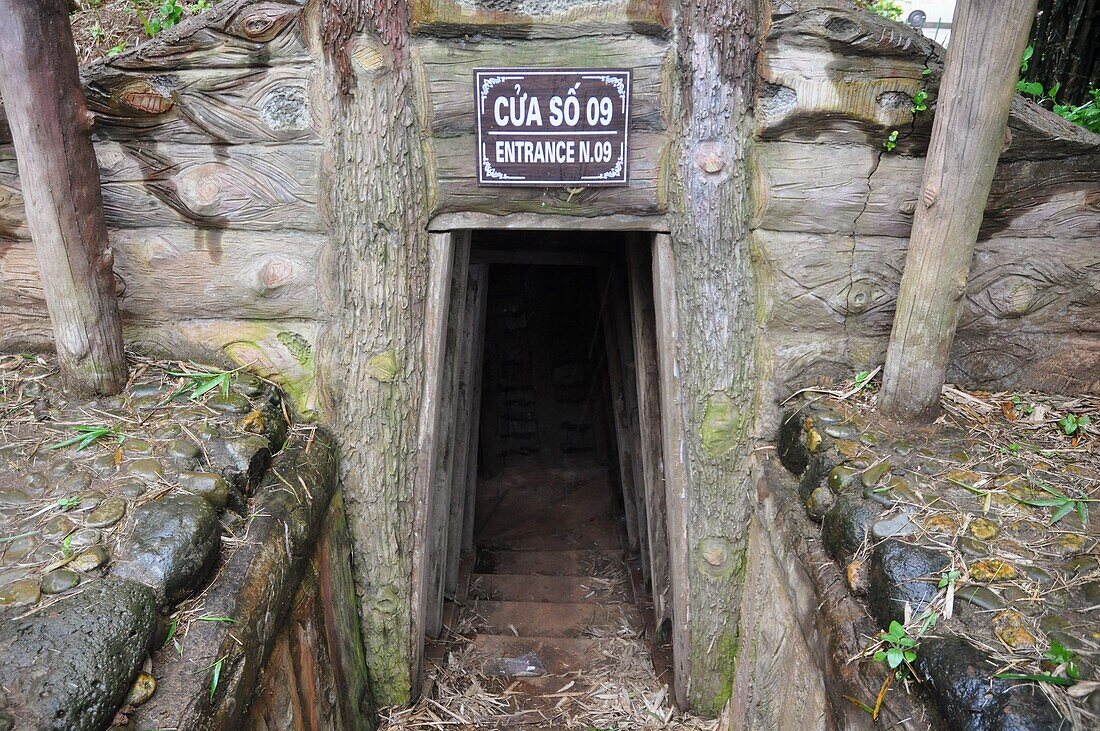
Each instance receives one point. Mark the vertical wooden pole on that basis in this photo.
(59, 176)
(619, 423)
(447, 441)
(968, 134)
(469, 394)
(673, 449)
(476, 378)
(640, 274)
(427, 523)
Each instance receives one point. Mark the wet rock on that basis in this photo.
(981, 596)
(992, 569)
(900, 573)
(142, 690)
(20, 593)
(970, 699)
(233, 403)
(61, 468)
(209, 485)
(183, 452)
(148, 390)
(104, 465)
(36, 483)
(247, 384)
(146, 468)
(57, 527)
(173, 547)
(59, 581)
(874, 474)
(90, 499)
(134, 446)
(70, 666)
(107, 514)
(971, 546)
(827, 417)
(895, 526)
(85, 537)
(20, 548)
(132, 489)
(75, 484)
(983, 529)
(1009, 628)
(1068, 544)
(819, 503)
(13, 497)
(841, 477)
(845, 527)
(91, 559)
(1038, 574)
(841, 431)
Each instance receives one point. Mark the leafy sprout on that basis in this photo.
(204, 381)
(891, 141)
(1064, 662)
(67, 503)
(899, 647)
(1072, 424)
(1063, 503)
(86, 434)
(920, 101)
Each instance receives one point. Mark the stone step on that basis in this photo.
(574, 562)
(597, 533)
(547, 619)
(527, 588)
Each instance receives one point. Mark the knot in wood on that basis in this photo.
(710, 157)
(263, 21)
(145, 97)
(928, 196)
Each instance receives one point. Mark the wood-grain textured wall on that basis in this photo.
(833, 212)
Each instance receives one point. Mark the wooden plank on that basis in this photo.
(427, 520)
(666, 310)
(458, 190)
(647, 382)
(178, 272)
(476, 374)
(544, 221)
(448, 66)
(203, 106)
(617, 411)
(447, 441)
(448, 18)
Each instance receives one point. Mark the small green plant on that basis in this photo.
(171, 637)
(1073, 424)
(97, 32)
(1062, 664)
(1019, 404)
(203, 381)
(88, 433)
(1086, 115)
(67, 546)
(1063, 504)
(217, 675)
(67, 503)
(899, 647)
(891, 141)
(920, 101)
(167, 15)
(115, 50)
(199, 6)
(888, 9)
(948, 579)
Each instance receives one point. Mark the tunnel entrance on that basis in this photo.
(556, 521)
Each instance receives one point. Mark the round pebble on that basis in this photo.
(91, 559)
(142, 690)
(983, 529)
(90, 499)
(20, 593)
(895, 526)
(107, 514)
(247, 384)
(59, 581)
(104, 465)
(234, 403)
(132, 488)
(36, 483)
(62, 467)
(20, 548)
(1009, 628)
(11, 496)
(57, 527)
(85, 537)
(841, 431)
(137, 446)
(992, 569)
(819, 502)
(146, 468)
(874, 474)
(981, 596)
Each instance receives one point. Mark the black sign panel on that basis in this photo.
(552, 127)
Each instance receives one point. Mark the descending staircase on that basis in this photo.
(549, 569)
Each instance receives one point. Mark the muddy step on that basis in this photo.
(558, 655)
(576, 562)
(546, 619)
(602, 533)
(527, 588)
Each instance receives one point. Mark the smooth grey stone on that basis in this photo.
(146, 468)
(132, 488)
(75, 483)
(20, 548)
(825, 418)
(841, 431)
(895, 526)
(173, 547)
(137, 446)
(85, 537)
(14, 497)
(981, 596)
(90, 499)
(107, 514)
(91, 559)
(209, 485)
(36, 483)
(147, 390)
(59, 581)
(70, 665)
(62, 467)
(104, 465)
(821, 499)
(57, 527)
(234, 403)
(21, 593)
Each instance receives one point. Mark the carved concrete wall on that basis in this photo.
(834, 210)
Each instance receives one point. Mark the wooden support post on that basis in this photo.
(59, 176)
(621, 425)
(429, 522)
(673, 449)
(476, 378)
(446, 441)
(640, 277)
(968, 134)
(470, 345)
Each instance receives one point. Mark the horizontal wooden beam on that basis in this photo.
(547, 222)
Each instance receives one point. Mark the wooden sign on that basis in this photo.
(552, 127)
